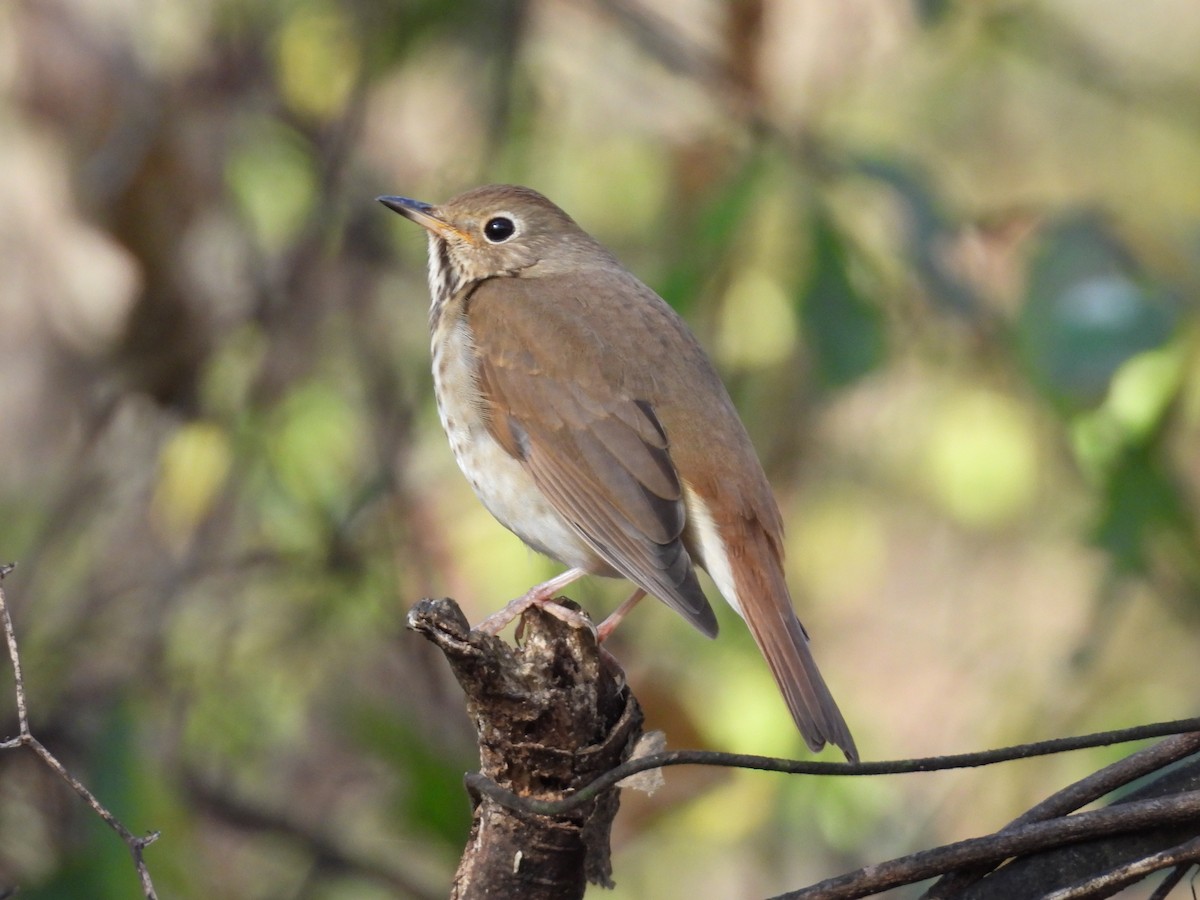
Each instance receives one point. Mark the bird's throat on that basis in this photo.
(444, 278)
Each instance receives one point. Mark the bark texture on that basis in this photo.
(552, 714)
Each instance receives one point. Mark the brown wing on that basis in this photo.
(554, 400)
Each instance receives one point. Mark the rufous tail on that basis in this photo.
(767, 608)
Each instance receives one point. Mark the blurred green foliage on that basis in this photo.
(845, 330)
(946, 255)
(1087, 312)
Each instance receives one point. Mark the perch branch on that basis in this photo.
(552, 715)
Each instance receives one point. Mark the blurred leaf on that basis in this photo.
(1087, 311)
(396, 27)
(433, 800)
(1142, 500)
(1145, 517)
(315, 446)
(931, 12)
(1143, 389)
(193, 466)
(927, 233)
(757, 327)
(844, 330)
(318, 60)
(1142, 393)
(839, 546)
(981, 457)
(273, 179)
(230, 375)
(710, 235)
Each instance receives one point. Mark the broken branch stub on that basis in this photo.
(551, 714)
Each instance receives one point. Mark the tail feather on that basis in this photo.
(766, 606)
(744, 557)
(784, 645)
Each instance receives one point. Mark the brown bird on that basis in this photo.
(592, 425)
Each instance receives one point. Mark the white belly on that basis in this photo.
(499, 480)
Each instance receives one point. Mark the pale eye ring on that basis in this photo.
(499, 229)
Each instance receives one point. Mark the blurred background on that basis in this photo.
(945, 254)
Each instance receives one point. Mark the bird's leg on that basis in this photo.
(610, 624)
(539, 595)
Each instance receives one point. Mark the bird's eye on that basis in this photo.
(499, 229)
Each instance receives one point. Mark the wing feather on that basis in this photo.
(598, 453)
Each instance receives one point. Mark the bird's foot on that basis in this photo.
(541, 595)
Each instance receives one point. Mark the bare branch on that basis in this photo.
(1122, 876)
(11, 637)
(1123, 819)
(1059, 868)
(25, 738)
(1081, 793)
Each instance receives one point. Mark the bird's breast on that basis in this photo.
(499, 480)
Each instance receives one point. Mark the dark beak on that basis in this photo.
(405, 205)
(423, 214)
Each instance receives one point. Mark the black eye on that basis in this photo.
(499, 229)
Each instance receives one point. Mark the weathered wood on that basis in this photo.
(552, 713)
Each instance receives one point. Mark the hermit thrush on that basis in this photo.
(591, 424)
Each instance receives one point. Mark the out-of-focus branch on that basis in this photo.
(331, 857)
(137, 845)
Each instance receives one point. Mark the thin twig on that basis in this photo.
(11, 637)
(25, 738)
(486, 786)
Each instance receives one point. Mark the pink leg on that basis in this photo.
(539, 595)
(609, 625)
